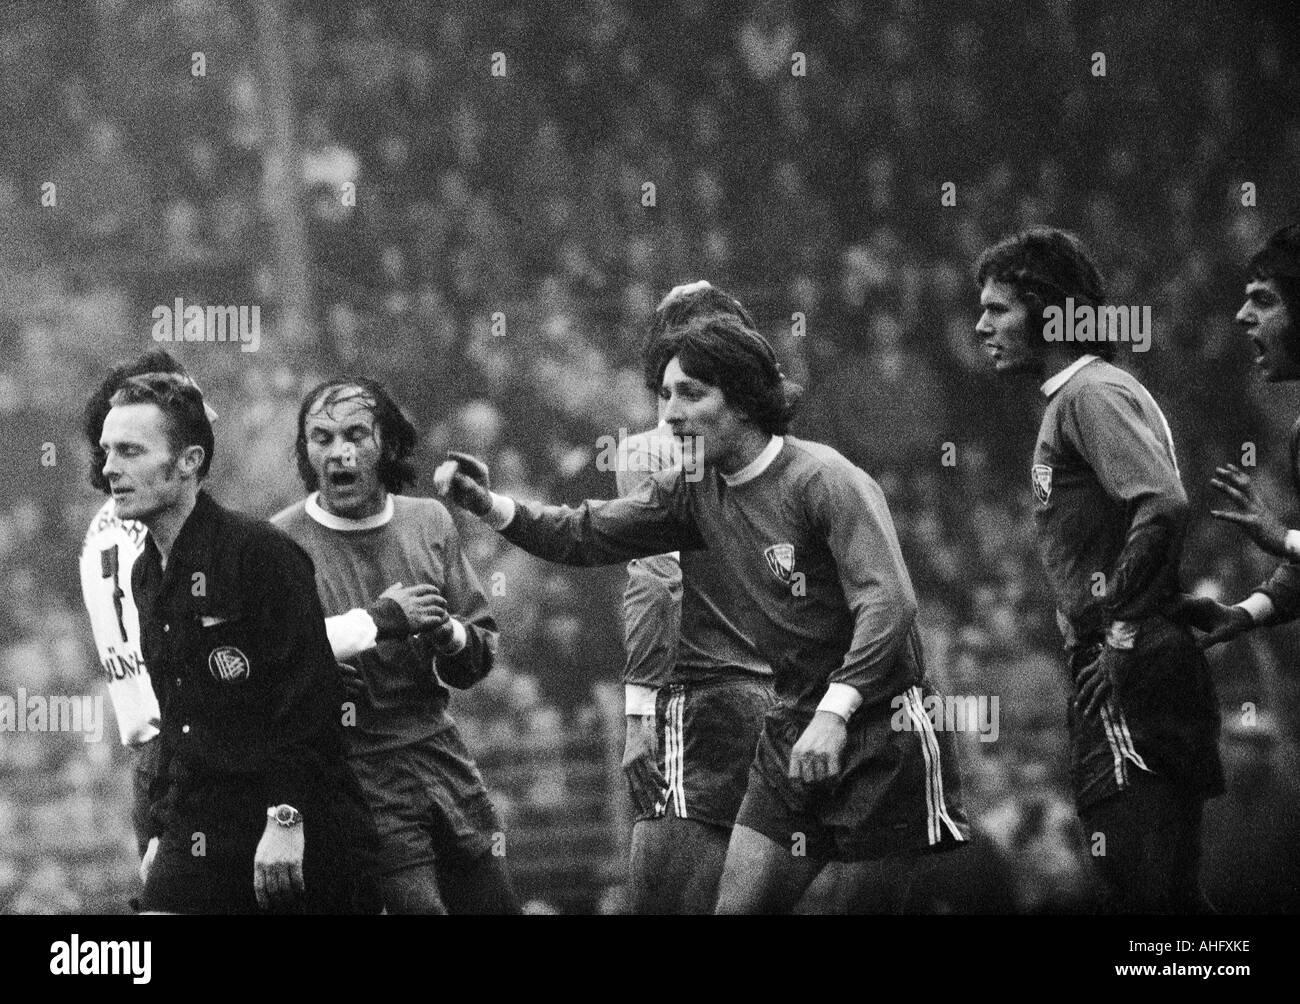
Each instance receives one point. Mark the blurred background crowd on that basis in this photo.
(487, 246)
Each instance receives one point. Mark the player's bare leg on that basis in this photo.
(676, 865)
(479, 885)
(861, 887)
(762, 876)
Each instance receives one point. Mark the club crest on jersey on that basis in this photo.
(227, 664)
(1041, 476)
(780, 558)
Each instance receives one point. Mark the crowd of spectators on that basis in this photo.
(495, 196)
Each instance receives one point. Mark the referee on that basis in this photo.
(107, 556)
(254, 807)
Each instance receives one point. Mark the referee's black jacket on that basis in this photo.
(234, 638)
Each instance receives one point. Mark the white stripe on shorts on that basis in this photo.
(936, 807)
(675, 750)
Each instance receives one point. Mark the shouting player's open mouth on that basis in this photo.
(343, 481)
(1261, 351)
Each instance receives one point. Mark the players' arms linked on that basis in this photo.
(464, 645)
(653, 521)
(398, 612)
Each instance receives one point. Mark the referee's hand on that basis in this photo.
(819, 753)
(277, 866)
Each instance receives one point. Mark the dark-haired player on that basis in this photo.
(261, 809)
(1111, 518)
(1268, 317)
(696, 690)
(107, 557)
(807, 545)
(410, 617)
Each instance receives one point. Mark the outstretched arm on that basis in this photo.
(654, 520)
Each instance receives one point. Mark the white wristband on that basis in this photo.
(841, 699)
(351, 633)
(1259, 606)
(1293, 544)
(638, 699)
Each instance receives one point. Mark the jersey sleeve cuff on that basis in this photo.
(351, 633)
(459, 638)
(638, 699)
(841, 699)
(501, 513)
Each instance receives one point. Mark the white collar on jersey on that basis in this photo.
(756, 466)
(332, 522)
(1052, 385)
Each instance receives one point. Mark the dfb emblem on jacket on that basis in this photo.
(780, 558)
(1042, 479)
(227, 664)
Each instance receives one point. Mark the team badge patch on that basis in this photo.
(1041, 476)
(228, 664)
(780, 558)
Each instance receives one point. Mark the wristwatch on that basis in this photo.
(285, 815)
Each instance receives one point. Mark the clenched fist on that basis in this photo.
(463, 480)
